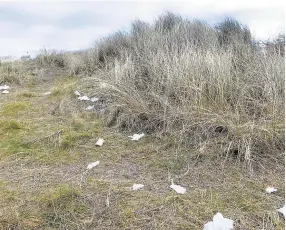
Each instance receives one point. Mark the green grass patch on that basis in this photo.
(27, 94)
(57, 92)
(14, 108)
(70, 139)
(10, 125)
(56, 156)
(31, 83)
(63, 194)
(64, 86)
(84, 122)
(62, 206)
(12, 145)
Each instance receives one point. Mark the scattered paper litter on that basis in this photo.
(92, 165)
(4, 87)
(5, 91)
(282, 210)
(84, 98)
(99, 142)
(47, 93)
(94, 99)
(137, 137)
(77, 93)
(137, 186)
(91, 107)
(179, 189)
(219, 223)
(270, 190)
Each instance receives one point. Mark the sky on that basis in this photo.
(28, 26)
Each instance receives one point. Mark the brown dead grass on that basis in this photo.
(44, 185)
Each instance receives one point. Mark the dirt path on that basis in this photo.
(46, 142)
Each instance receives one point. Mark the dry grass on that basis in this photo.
(44, 154)
(186, 80)
(18, 72)
(199, 85)
(212, 126)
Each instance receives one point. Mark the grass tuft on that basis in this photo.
(10, 125)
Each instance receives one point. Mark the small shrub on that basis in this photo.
(231, 32)
(167, 22)
(51, 58)
(277, 45)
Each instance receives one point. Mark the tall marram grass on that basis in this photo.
(208, 87)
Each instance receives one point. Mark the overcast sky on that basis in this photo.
(28, 26)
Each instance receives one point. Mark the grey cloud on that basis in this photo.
(75, 25)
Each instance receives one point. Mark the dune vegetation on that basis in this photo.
(209, 99)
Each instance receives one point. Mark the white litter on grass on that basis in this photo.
(47, 93)
(4, 87)
(137, 137)
(84, 98)
(270, 190)
(99, 142)
(219, 223)
(137, 186)
(5, 91)
(91, 107)
(92, 165)
(179, 189)
(282, 210)
(77, 93)
(94, 99)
